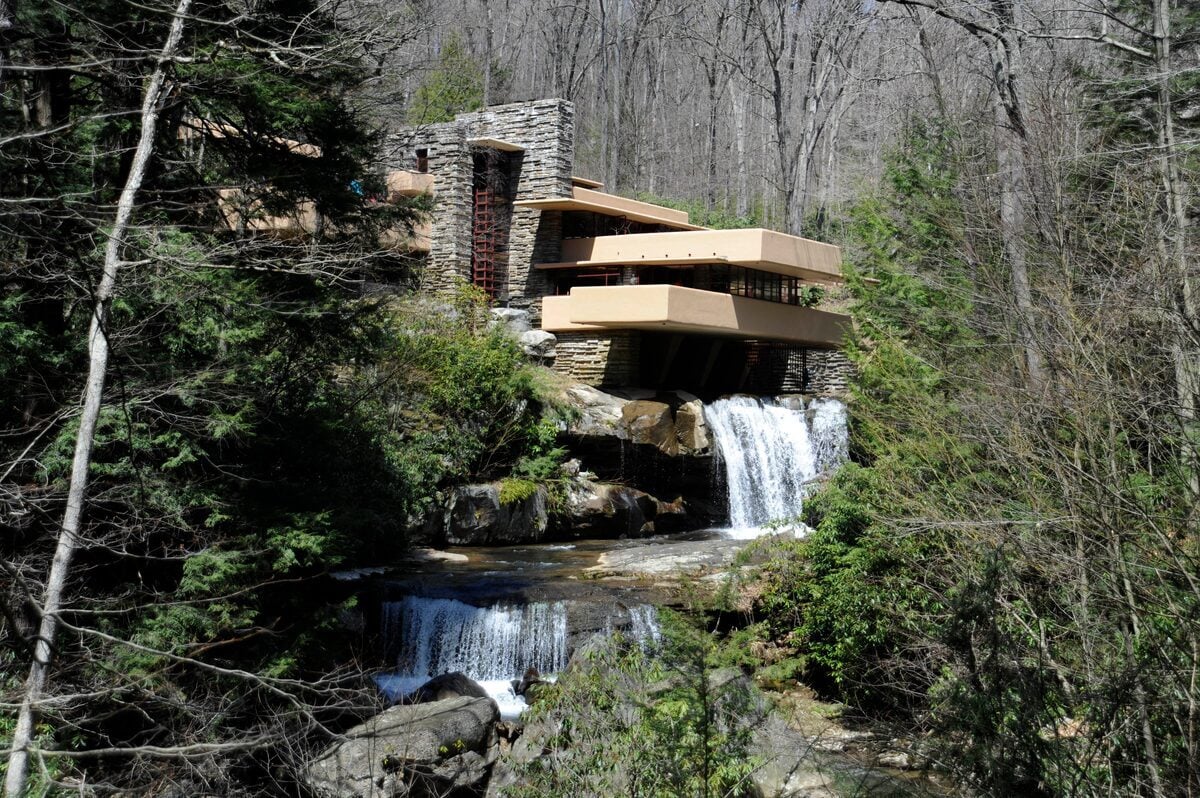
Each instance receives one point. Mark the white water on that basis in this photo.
(491, 645)
(772, 454)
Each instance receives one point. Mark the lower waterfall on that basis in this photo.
(772, 451)
(426, 637)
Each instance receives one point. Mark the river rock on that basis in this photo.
(475, 516)
(686, 558)
(651, 423)
(691, 431)
(411, 750)
(790, 765)
(447, 685)
(598, 413)
(425, 527)
(672, 422)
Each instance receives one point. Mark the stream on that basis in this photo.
(494, 612)
(506, 609)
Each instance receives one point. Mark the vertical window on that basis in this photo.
(422, 160)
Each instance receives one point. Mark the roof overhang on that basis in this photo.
(585, 199)
(585, 182)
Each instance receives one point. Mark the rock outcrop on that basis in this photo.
(672, 422)
(413, 750)
(538, 345)
(475, 516)
(515, 320)
(676, 560)
(601, 509)
(656, 442)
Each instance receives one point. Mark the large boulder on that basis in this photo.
(447, 685)
(515, 320)
(475, 516)
(691, 430)
(538, 344)
(651, 423)
(599, 508)
(672, 422)
(598, 414)
(414, 750)
(790, 764)
(424, 528)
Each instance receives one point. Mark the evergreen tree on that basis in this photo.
(242, 434)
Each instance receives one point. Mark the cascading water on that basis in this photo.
(434, 636)
(772, 453)
(493, 645)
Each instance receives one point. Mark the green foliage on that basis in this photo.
(811, 295)
(657, 725)
(983, 568)
(846, 596)
(454, 86)
(516, 490)
(478, 404)
(842, 595)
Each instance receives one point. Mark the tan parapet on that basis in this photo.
(672, 308)
(755, 248)
(403, 183)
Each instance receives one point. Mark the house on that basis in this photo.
(634, 292)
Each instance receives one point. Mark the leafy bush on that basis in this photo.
(638, 723)
(516, 490)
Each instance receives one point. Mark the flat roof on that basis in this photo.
(584, 182)
(585, 199)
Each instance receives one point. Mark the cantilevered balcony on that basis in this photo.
(763, 250)
(672, 308)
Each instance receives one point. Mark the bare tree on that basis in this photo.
(98, 349)
(805, 49)
(996, 27)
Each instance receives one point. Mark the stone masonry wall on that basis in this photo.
(546, 130)
(829, 372)
(598, 358)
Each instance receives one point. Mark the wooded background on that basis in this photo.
(196, 423)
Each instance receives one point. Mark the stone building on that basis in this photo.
(633, 292)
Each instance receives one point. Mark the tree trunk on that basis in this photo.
(487, 55)
(742, 189)
(98, 350)
(1010, 158)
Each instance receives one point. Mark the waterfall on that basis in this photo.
(435, 636)
(772, 452)
(643, 624)
(494, 645)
